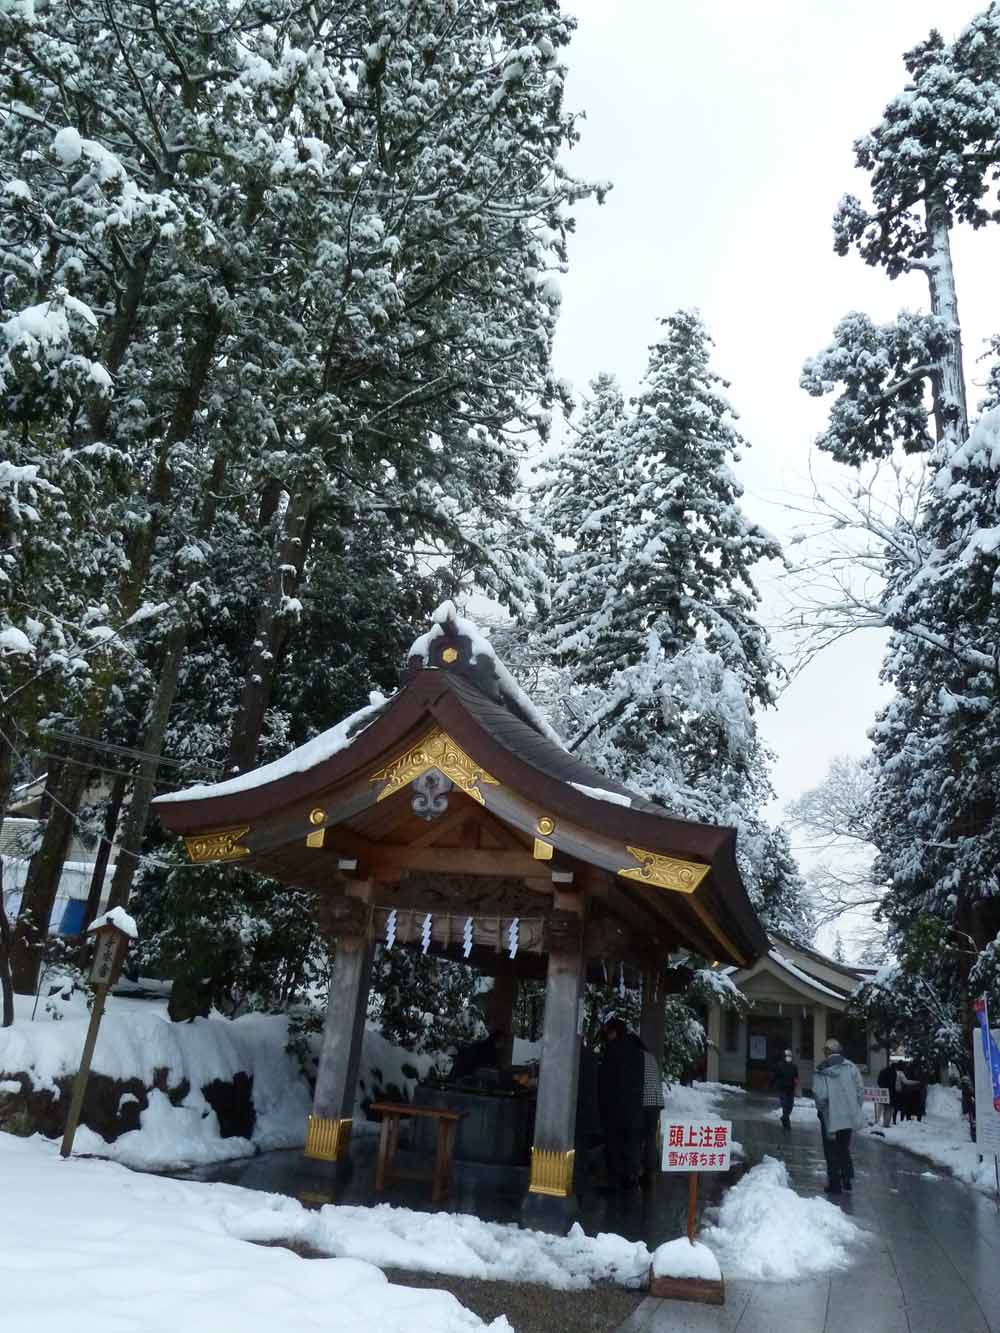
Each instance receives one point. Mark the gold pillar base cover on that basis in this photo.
(327, 1138)
(552, 1172)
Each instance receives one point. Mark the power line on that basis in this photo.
(78, 823)
(74, 739)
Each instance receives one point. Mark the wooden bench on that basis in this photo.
(392, 1113)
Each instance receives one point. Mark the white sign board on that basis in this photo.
(106, 952)
(696, 1145)
(987, 1116)
(880, 1095)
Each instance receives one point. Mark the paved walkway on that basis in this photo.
(933, 1262)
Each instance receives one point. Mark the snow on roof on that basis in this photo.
(321, 747)
(789, 966)
(116, 917)
(447, 615)
(602, 794)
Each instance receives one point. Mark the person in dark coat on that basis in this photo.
(785, 1079)
(589, 1133)
(620, 1090)
(888, 1078)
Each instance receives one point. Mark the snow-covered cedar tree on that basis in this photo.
(322, 251)
(882, 371)
(651, 638)
(936, 743)
(585, 497)
(932, 162)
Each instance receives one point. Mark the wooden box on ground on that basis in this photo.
(707, 1291)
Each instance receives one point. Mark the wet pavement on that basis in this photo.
(932, 1262)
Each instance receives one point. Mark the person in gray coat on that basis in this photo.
(839, 1095)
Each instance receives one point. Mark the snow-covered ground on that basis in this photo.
(765, 1231)
(90, 1246)
(942, 1137)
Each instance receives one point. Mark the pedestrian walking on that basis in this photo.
(785, 1079)
(620, 1089)
(839, 1095)
(652, 1105)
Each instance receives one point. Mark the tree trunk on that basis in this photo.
(271, 632)
(152, 739)
(44, 872)
(951, 412)
(145, 779)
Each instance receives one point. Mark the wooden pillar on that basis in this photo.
(550, 1204)
(713, 1043)
(340, 1054)
(652, 1020)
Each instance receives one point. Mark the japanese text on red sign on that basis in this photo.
(694, 1145)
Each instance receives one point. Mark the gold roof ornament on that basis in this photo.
(436, 750)
(666, 872)
(217, 845)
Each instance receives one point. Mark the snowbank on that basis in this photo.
(767, 1232)
(453, 1243)
(112, 1250)
(942, 1137)
(138, 1044)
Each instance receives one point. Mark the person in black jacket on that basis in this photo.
(888, 1078)
(785, 1079)
(620, 1089)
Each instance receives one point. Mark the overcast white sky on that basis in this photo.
(726, 128)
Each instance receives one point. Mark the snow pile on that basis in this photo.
(679, 1258)
(386, 1072)
(170, 1136)
(767, 1232)
(114, 1250)
(453, 1243)
(942, 1137)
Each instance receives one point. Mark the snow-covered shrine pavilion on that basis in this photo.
(451, 818)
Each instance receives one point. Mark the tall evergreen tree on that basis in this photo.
(932, 162)
(652, 621)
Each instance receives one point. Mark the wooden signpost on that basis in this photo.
(112, 934)
(694, 1146)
